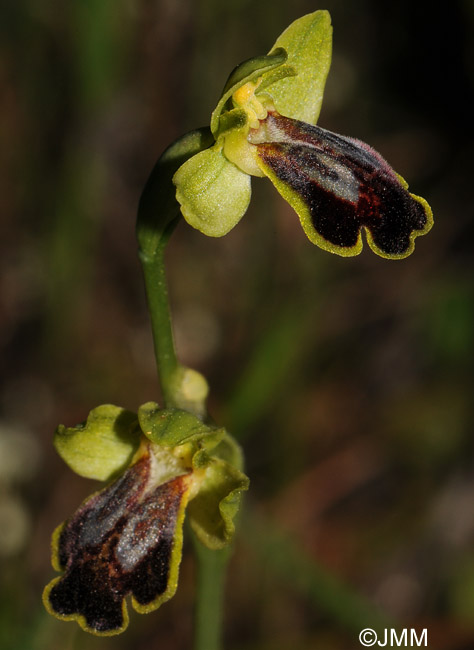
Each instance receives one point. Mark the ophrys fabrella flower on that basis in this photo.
(126, 539)
(264, 125)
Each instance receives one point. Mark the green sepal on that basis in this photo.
(157, 207)
(213, 193)
(170, 427)
(102, 446)
(213, 510)
(247, 71)
(308, 43)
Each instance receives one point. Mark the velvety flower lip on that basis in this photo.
(126, 539)
(339, 186)
(122, 541)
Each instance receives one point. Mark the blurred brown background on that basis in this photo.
(348, 381)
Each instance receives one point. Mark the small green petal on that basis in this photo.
(233, 120)
(101, 447)
(214, 194)
(247, 71)
(271, 77)
(308, 42)
(212, 512)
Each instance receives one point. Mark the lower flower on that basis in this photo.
(126, 539)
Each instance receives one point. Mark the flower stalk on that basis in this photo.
(158, 214)
(158, 305)
(210, 584)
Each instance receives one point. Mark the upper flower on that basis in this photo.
(126, 539)
(263, 125)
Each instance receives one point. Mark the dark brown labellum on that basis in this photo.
(343, 184)
(119, 542)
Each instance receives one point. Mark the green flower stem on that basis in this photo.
(158, 214)
(156, 220)
(158, 305)
(208, 615)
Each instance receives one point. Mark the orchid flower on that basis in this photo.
(264, 125)
(126, 539)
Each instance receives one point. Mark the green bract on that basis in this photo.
(158, 196)
(126, 539)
